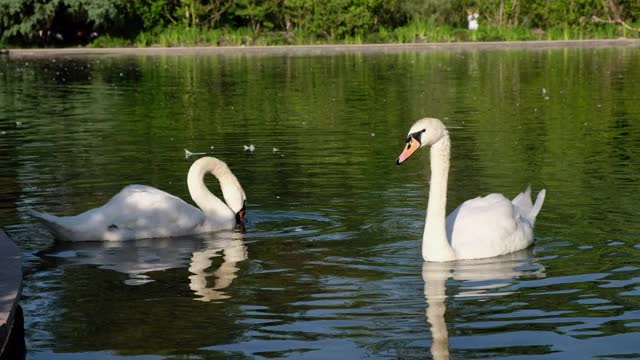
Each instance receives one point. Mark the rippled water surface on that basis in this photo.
(329, 263)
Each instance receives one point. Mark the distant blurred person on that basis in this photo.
(473, 20)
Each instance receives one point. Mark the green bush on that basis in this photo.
(107, 41)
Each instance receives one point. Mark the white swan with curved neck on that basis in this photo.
(141, 212)
(479, 228)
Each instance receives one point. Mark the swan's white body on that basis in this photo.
(479, 228)
(141, 212)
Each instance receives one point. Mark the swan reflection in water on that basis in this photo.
(490, 273)
(136, 258)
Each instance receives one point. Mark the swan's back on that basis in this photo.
(140, 212)
(136, 212)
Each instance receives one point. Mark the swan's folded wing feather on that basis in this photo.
(485, 226)
(141, 211)
(523, 200)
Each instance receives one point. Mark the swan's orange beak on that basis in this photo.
(412, 146)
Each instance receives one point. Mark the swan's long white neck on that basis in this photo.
(435, 245)
(211, 205)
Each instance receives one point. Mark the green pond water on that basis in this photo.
(329, 264)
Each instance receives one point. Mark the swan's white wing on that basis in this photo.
(136, 212)
(140, 211)
(141, 199)
(488, 226)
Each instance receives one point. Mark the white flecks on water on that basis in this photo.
(275, 150)
(249, 148)
(544, 91)
(373, 134)
(188, 154)
(18, 123)
(211, 147)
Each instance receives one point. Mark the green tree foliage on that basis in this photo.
(152, 14)
(42, 22)
(437, 11)
(258, 13)
(331, 18)
(33, 21)
(23, 19)
(543, 14)
(337, 19)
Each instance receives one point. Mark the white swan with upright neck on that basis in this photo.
(142, 212)
(479, 228)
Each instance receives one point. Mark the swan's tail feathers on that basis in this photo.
(523, 200)
(537, 206)
(42, 215)
(52, 222)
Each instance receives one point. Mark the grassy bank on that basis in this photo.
(414, 32)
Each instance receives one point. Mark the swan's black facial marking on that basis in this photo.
(416, 135)
(240, 221)
(240, 214)
(112, 227)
